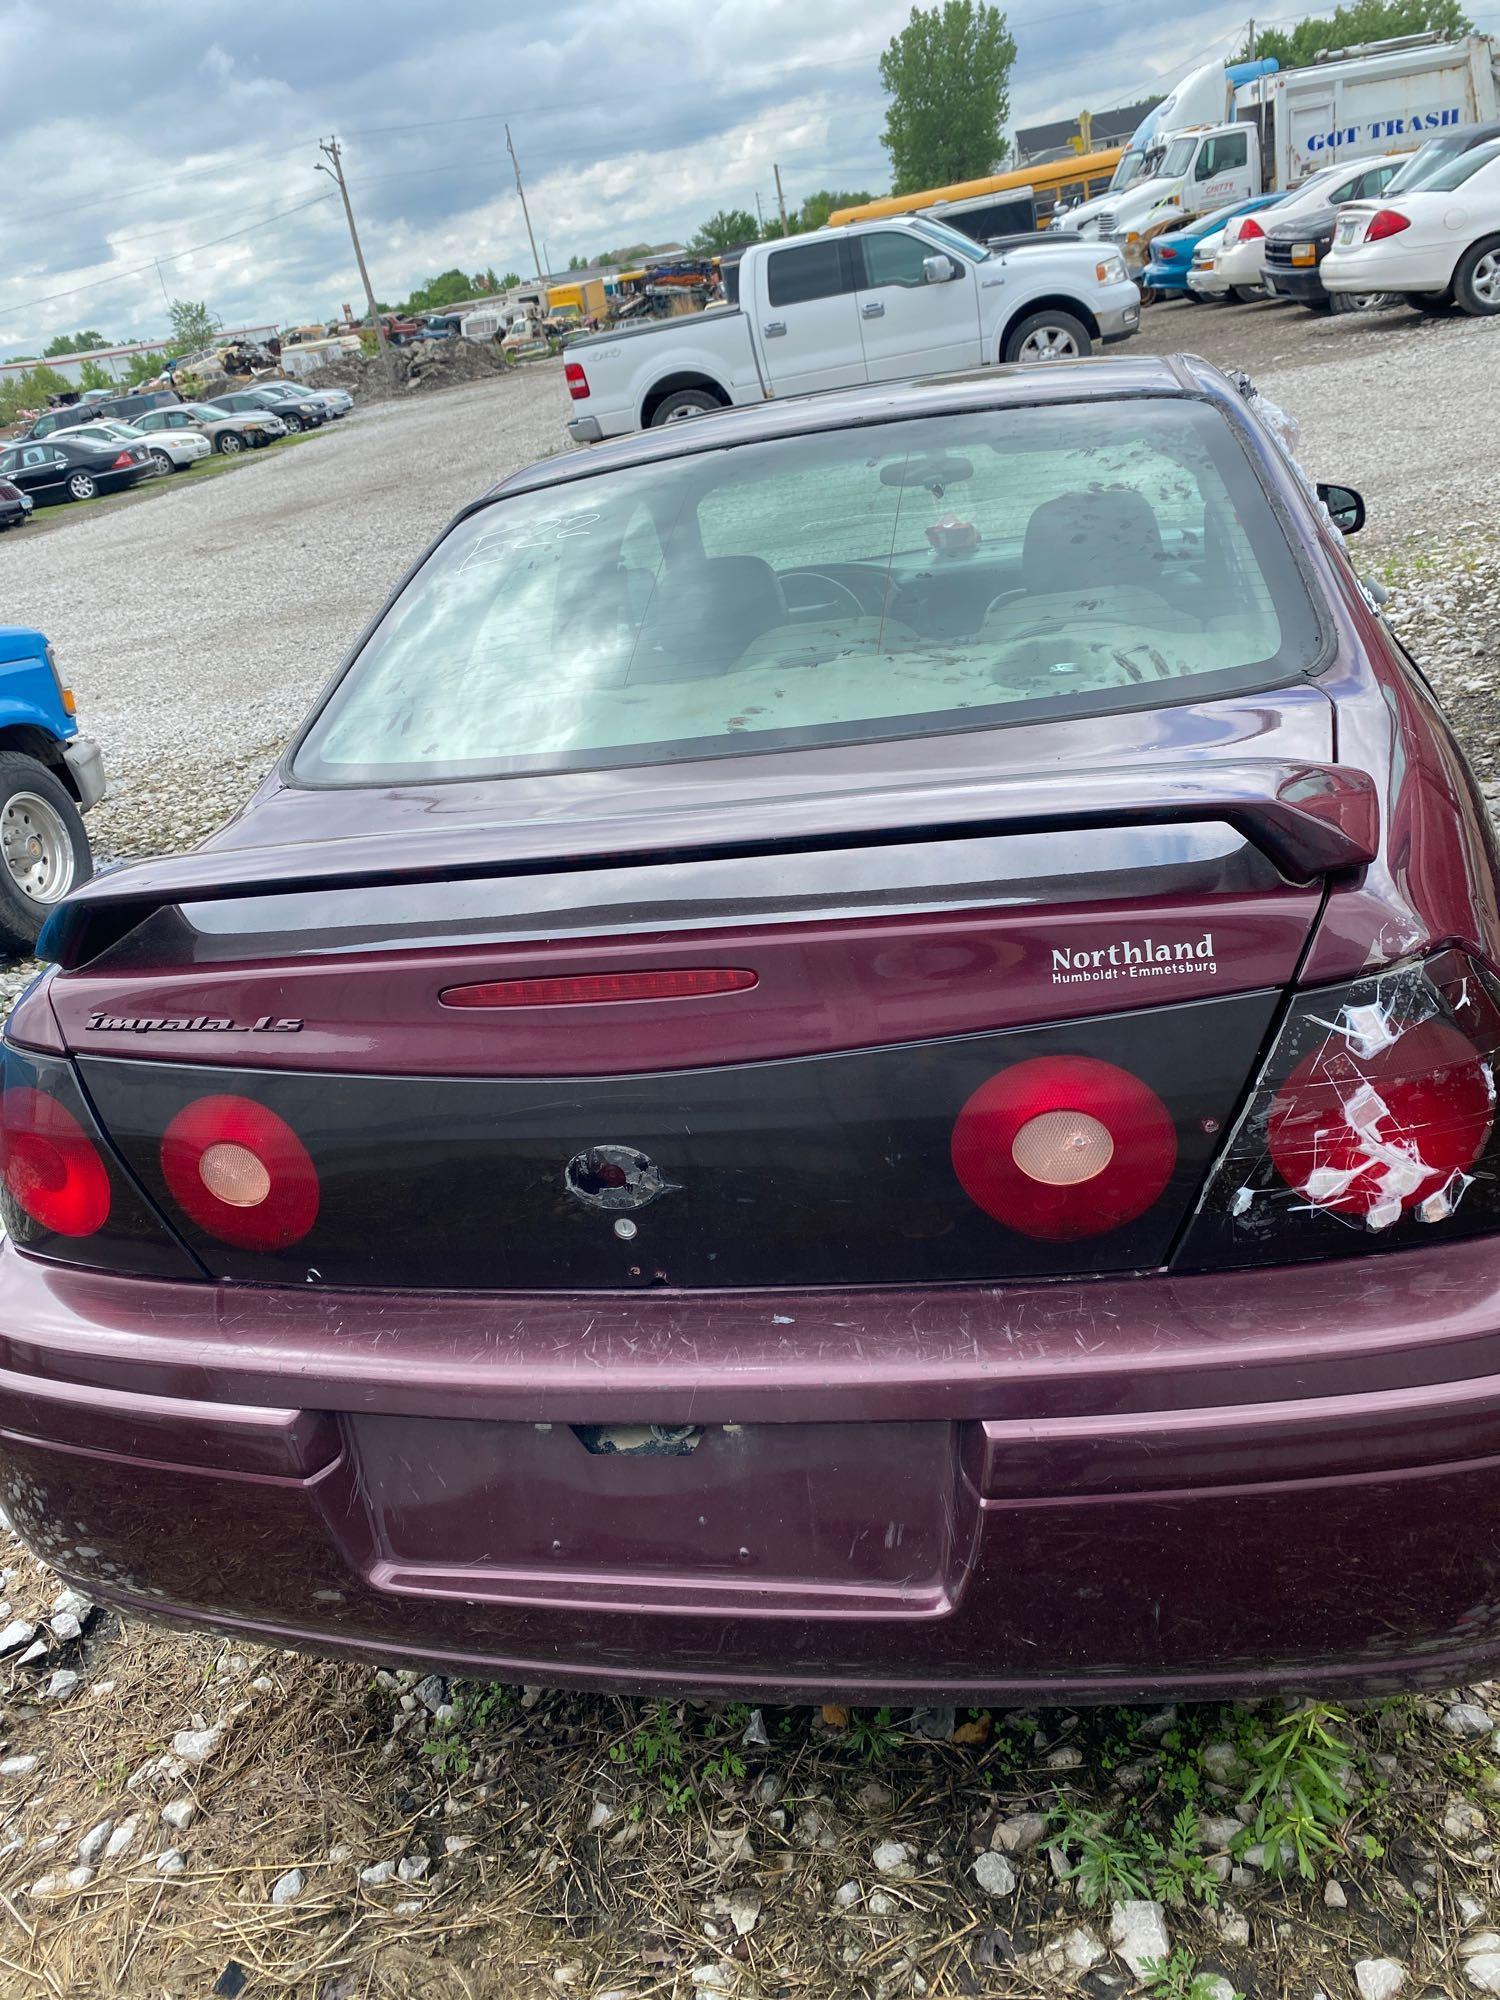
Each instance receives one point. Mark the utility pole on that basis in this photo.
(536, 262)
(760, 214)
(163, 283)
(1250, 40)
(335, 172)
(781, 201)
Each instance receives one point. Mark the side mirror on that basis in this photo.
(938, 270)
(1345, 506)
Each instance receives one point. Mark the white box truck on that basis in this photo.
(1359, 104)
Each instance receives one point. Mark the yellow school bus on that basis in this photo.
(1077, 177)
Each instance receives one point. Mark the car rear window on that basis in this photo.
(936, 574)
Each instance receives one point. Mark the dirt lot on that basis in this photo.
(180, 1816)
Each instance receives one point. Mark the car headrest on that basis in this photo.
(1108, 536)
(703, 613)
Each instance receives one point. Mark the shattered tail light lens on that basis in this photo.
(1372, 1125)
(63, 1193)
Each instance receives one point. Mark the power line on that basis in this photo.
(169, 179)
(118, 277)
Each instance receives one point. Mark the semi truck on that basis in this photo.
(1277, 127)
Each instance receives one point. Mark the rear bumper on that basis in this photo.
(1084, 1493)
(585, 430)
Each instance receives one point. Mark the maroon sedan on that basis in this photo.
(853, 1055)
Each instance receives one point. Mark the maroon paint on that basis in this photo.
(822, 986)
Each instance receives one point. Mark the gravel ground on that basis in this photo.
(178, 1816)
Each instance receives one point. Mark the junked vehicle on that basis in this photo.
(173, 451)
(293, 413)
(866, 302)
(1172, 254)
(1299, 239)
(15, 506)
(65, 467)
(50, 775)
(855, 1037)
(227, 431)
(1436, 242)
(1241, 262)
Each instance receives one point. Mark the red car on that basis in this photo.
(852, 1055)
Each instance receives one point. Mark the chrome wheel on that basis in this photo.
(36, 847)
(83, 486)
(1485, 280)
(231, 442)
(1048, 343)
(161, 461)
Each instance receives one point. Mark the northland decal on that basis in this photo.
(1134, 958)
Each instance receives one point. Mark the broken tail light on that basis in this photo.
(1372, 1124)
(63, 1193)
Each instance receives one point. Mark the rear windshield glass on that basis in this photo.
(933, 574)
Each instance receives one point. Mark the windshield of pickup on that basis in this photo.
(933, 574)
(953, 239)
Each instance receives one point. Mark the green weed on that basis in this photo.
(873, 1738)
(1177, 1978)
(1297, 1788)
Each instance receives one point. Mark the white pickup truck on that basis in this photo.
(868, 302)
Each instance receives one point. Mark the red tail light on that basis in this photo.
(1389, 222)
(1166, 256)
(577, 381)
(123, 462)
(241, 1173)
(590, 989)
(50, 1165)
(1249, 230)
(1062, 1147)
(1373, 1131)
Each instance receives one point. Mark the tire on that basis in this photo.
(681, 404)
(1476, 282)
(229, 443)
(1359, 302)
(1048, 336)
(82, 486)
(293, 424)
(1243, 295)
(1436, 305)
(163, 463)
(36, 811)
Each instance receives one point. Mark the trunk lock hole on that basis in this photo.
(614, 1177)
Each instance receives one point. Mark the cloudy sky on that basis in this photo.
(160, 130)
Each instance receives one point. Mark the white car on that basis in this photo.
(1242, 260)
(171, 451)
(1203, 276)
(1438, 245)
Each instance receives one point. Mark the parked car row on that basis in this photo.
(1421, 227)
(85, 449)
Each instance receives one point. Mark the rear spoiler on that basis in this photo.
(1309, 819)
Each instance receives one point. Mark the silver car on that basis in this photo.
(227, 431)
(337, 402)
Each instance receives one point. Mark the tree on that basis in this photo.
(726, 230)
(948, 77)
(509, 282)
(76, 343)
(142, 368)
(446, 289)
(92, 376)
(1363, 21)
(30, 391)
(816, 210)
(193, 325)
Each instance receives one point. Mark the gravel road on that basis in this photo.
(196, 625)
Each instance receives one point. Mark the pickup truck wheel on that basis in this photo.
(682, 404)
(1476, 282)
(44, 851)
(1048, 336)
